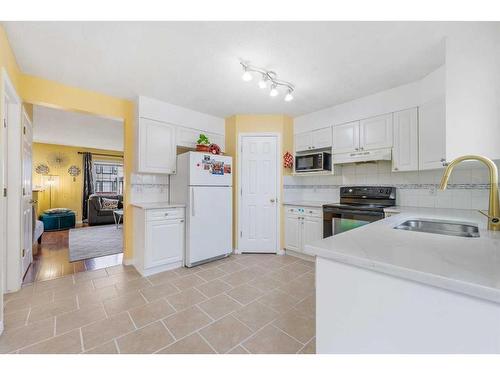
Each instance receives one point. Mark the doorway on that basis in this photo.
(258, 198)
(78, 177)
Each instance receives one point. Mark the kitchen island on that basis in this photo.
(384, 290)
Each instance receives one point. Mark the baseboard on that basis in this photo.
(296, 254)
(128, 261)
(236, 251)
(281, 252)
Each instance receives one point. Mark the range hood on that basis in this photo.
(362, 156)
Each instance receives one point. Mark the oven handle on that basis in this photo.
(367, 213)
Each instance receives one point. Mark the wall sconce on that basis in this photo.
(74, 171)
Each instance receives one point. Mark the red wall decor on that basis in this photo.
(287, 160)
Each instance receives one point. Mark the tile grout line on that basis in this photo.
(81, 339)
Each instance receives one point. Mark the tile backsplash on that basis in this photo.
(468, 186)
(148, 188)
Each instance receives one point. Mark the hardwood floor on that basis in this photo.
(52, 261)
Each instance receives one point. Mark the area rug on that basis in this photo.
(93, 242)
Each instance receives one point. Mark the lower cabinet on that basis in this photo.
(159, 239)
(303, 225)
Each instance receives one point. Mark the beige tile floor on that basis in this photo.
(242, 304)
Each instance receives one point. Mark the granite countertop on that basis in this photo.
(157, 205)
(318, 204)
(465, 265)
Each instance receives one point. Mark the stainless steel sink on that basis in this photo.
(448, 228)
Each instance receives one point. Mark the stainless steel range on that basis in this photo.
(359, 205)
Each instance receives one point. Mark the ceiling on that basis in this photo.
(196, 64)
(60, 127)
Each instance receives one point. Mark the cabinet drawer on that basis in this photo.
(164, 213)
(293, 210)
(313, 212)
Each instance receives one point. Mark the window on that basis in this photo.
(108, 177)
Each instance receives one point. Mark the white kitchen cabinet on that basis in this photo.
(375, 132)
(303, 225)
(303, 141)
(312, 230)
(293, 232)
(405, 148)
(187, 137)
(316, 139)
(159, 239)
(346, 137)
(156, 147)
(164, 242)
(432, 134)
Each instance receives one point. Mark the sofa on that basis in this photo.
(98, 216)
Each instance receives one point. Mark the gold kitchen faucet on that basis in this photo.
(493, 214)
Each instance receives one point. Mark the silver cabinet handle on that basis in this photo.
(192, 202)
(166, 214)
(356, 149)
(272, 200)
(396, 169)
(182, 221)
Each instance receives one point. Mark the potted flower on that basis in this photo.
(203, 143)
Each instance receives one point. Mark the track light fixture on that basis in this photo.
(268, 76)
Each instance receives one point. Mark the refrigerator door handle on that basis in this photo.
(192, 202)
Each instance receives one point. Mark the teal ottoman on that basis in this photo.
(58, 221)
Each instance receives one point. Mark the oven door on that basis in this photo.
(336, 220)
(309, 163)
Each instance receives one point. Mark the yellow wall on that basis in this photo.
(40, 91)
(257, 124)
(35, 90)
(67, 192)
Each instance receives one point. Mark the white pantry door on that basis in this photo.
(258, 194)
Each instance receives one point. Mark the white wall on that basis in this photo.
(162, 111)
(473, 90)
(76, 129)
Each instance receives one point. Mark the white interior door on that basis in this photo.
(210, 223)
(27, 194)
(259, 194)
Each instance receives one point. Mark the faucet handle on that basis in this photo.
(493, 219)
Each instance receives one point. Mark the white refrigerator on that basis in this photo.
(204, 184)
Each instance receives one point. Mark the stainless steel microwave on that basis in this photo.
(313, 162)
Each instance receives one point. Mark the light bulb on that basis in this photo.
(247, 76)
(288, 97)
(274, 91)
(263, 82)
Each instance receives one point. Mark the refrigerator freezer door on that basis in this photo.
(210, 170)
(210, 226)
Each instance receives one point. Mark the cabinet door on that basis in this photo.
(346, 137)
(322, 138)
(293, 231)
(187, 137)
(312, 230)
(218, 139)
(156, 148)
(303, 141)
(405, 149)
(375, 132)
(164, 242)
(432, 134)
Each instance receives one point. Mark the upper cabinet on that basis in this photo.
(161, 127)
(405, 148)
(432, 134)
(316, 139)
(187, 137)
(156, 151)
(375, 132)
(346, 137)
(368, 134)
